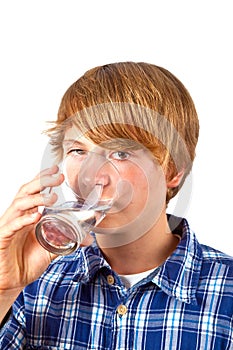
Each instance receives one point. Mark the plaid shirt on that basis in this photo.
(80, 303)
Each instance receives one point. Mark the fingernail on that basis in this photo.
(47, 195)
(33, 215)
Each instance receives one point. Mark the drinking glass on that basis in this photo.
(83, 200)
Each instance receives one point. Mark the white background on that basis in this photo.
(47, 44)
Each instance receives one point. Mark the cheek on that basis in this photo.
(139, 185)
(71, 177)
(148, 183)
(71, 169)
(143, 203)
(138, 180)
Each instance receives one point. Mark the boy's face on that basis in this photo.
(138, 184)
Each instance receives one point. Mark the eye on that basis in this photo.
(120, 155)
(78, 152)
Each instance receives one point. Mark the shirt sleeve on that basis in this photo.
(6, 319)
(13, 330)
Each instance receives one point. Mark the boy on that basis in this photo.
(146, 282)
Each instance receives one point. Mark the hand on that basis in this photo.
(22, 259)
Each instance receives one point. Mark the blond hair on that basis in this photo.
(133, 101)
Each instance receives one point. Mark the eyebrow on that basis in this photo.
(111, 144)
(69, 142)
(121, 144)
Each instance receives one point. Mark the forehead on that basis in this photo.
(73, 133)
(75, 137)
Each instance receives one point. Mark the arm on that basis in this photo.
(22, 259)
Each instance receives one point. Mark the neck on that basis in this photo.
(147, 252)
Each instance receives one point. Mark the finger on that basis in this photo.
(39, 184)
(25, 200)
(29, 203)
(48, 171)
(9, 230)
(28, 187)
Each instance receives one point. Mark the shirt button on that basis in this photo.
(122, 309)
(110, 279)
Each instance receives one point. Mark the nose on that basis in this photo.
(94, 176)
(95, 171)
(102, 179)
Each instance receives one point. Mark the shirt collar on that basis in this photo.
(178, 276)
(91, 261)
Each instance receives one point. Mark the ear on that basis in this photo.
(176, 180)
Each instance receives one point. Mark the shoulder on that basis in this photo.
(216, 273)
(211, 269)
(65, 270)
(214, 256)
(61, 271)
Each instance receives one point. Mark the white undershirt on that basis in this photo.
(130, 280)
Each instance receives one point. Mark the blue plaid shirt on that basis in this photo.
(80, 303)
